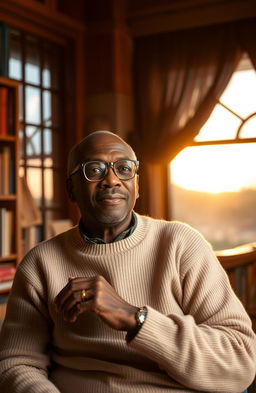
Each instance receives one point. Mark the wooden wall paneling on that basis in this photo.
(150, 17)
(36, 18)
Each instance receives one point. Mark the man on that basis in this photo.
(122, 302)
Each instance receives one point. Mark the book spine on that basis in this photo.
(7, 272)
(6, 169)
(10, 112)
(6, 285)
(1, 172)
(1, 231)
(11, 174)
(6, 232)
(3, 111)
(4, 49)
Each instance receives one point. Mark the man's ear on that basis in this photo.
(69, 188)
(137, 186)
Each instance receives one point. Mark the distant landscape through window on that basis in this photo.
(213, 183)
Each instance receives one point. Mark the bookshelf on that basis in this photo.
(9, 184)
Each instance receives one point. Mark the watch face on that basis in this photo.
(142, 317)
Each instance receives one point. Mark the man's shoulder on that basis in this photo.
(175, 230)
(53, 242)
(166, 224)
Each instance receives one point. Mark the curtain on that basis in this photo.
(247, 34)
(179, 77)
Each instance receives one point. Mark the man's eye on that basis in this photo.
(124, 169)
(94, 170)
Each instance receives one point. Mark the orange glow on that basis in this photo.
(216, 168)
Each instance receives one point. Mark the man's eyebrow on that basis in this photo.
(100, 159)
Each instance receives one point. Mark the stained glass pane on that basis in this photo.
(240, 94)
(33, 104)
(50, 67)
(52, 186)
(221, 125)
(32, 61)
(34, 162)
(249, 129)
(34, 179)
(47, 108)
(20, 102)
(15, 56)
(47, 141)
(33, 141)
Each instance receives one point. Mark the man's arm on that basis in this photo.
(24, 342)
(212, 346)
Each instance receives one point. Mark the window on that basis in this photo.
(37, 64)
(213, 182)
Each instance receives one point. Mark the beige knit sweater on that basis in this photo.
(197, 336)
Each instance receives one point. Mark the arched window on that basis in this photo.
(213, 182)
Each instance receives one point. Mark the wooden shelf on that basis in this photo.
(8, 258)
(10, 240)
(9, 197)
(7, 138)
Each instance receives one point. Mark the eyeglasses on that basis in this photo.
(97, 170)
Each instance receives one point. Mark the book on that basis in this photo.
(11, 174)
(11, 112)
(6, 232)
(6, 285)
(7, 272)
(4, 49)
(5, 170)
(3, 110)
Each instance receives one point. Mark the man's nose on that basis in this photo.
(111, 180)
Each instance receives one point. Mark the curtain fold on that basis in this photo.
(179, 77)
(247, 34)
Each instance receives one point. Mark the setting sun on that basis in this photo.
(215, 169)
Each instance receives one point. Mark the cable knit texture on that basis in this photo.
(197, 336)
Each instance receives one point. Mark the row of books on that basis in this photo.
(7, 272)
(7, 181)
(6, 232)
(6, 126)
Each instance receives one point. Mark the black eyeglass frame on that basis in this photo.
(108, 164)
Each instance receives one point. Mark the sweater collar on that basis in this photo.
(121, 236)
(75, 239)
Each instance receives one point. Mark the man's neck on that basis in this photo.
(107, 233)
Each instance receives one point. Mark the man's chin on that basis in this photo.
(111, 219)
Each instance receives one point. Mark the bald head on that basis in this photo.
(96, 142)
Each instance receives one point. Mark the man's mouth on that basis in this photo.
(111, 199)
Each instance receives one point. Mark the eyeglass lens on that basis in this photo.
(97, 170)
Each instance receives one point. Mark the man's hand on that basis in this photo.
(100, 298)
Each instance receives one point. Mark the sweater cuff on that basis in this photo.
(148, 334)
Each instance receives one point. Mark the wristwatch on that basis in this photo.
(141, 316)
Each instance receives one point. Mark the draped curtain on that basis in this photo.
(247, 34)
(179, 77)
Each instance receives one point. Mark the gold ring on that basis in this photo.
(83, 295)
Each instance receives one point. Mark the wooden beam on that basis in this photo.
(169, 16)
(41, 20)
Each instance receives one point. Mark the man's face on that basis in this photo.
(108, 202)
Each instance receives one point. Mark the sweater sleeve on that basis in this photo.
(24, 341)
(211, 347)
